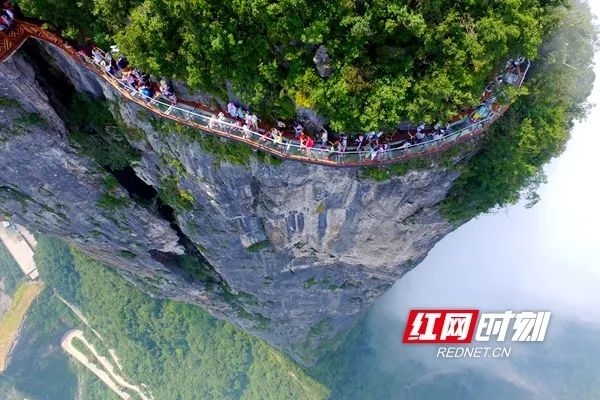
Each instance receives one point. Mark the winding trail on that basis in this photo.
(197, 115)
(107, 373)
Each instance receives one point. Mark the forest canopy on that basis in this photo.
(178, 350)
(389, 61)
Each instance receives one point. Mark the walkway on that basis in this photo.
(199, 117)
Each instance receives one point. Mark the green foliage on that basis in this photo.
(196, 268)
(92, 387)
(179, 350)
(5, 102)
(536, 127)
(382, 174)
(98, 135)
(172, 194)
(10, 273)
(110, 199)
(24, 121)
(127, 254)
(310, 282)
(258, 246)
(405, 60)
(56, 267)
(223, 150)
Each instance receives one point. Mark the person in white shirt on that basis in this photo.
(232, 110)
(247, 131)
(324, 137)
(98, 56)
(254, 121)
(343, 143)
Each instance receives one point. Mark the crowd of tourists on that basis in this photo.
(373, 145)
(117, 65)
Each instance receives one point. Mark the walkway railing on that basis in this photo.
(286, 149)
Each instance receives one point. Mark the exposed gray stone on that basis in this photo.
(323, 61)
(326, 243)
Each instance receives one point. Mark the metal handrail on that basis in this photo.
(256, 136)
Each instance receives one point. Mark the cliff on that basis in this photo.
(291, 253)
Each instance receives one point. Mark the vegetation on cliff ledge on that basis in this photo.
(386, 61)
(536, 128)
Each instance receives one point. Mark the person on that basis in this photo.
(97, 56)
(109, 69)
(84, 53)
(167, 91)
(122, 63)
(487, 92)
(138, 75)
(420, 136)
(343, 143)
(378, 137)
(232, 110)
(241, 113)
(384, 151)
(146, 91)
(369, 136)
(128, 79)
(212, 121)
(310, 143)
(374, 152)
(302, 137)
(412, 138)
(359, 142)
(247, 131)
(267, 135)
(7, 12)
(237, 125)
(221, 118)
(298, 130)
(278, 138)
(5, 24)
(254, 121)
(324, 137)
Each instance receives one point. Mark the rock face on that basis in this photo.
(299, 252)
(323, 62)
